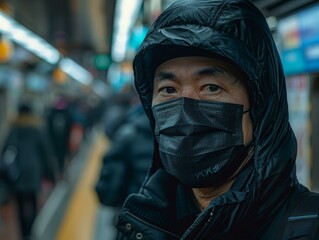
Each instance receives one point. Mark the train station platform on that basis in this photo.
(72, 210)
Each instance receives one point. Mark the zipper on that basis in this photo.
(153, 226)
(203, 229)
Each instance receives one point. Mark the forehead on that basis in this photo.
(193, 62)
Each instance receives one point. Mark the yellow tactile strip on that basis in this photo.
(79, 220)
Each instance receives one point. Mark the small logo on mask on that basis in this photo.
(207, 172)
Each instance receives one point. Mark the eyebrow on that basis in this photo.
(214, 71)
(164, 76)
(210, 71)
(206, 71)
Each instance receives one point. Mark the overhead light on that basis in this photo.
(6, 23)
(75, 71)
(28, 40)
(126, 13)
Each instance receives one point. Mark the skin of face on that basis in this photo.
(209, 79)
(202, 78)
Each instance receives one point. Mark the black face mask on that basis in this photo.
(200, 142)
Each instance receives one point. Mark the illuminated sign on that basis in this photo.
(299, 35)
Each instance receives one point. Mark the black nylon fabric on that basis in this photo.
(201, 142)
(203, 118)
(234, 31)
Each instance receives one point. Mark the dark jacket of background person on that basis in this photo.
(125, 165)
(34, 157)
(34, 163)
(257, 205)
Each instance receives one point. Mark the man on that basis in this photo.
(211, 81)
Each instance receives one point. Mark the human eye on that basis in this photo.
(167, 90)
(211, 88)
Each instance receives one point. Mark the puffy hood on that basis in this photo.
(237, 32)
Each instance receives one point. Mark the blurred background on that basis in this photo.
(66, 82)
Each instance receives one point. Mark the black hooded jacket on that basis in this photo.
(259, 201)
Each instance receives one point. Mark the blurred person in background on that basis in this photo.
(59, 124)
(211, 82)
(116, 108)
(78, 110)
(126, 163)
(95, 113)
(28, 148)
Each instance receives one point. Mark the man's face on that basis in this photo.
(201, 78)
